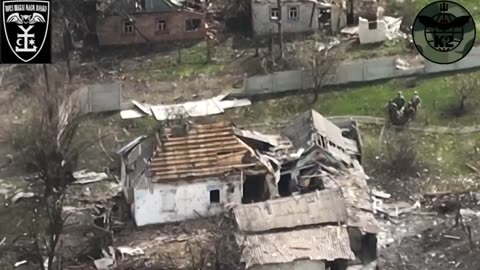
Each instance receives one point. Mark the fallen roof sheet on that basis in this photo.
(322, 243)
(129, 146)
(273, 140)
(304, 129)
(205, 150)
(205, 107)
(320, 207)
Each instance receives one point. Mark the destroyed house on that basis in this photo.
(297, 16)
(320, 148)
(126, 22)
(311, 129)
(297, 232)
(189, 171)
(324, 156)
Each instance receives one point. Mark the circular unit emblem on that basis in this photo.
(444, 32)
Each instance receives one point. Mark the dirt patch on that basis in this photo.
(436, 248)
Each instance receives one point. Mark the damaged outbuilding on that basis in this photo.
(300, 199)
(294, 232)
(322, 184)
(189, 171)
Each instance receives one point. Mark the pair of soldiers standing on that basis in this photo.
(412, 105)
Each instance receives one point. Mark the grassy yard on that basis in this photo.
(387, 48)
(445, 156)
(193, 62)
(438, 97)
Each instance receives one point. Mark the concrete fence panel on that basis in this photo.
(105, 97)
(353, 72)
(349, 72)
(288, 80)
(98, 98)
(260, 83)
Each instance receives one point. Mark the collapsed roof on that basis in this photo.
(322, 243)
(320, 207)
(312, 129)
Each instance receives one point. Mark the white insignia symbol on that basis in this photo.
(25, 41)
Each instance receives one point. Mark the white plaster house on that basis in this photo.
(372, 31)
(297, 16)
(186, 172)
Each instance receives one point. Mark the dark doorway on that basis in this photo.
(214, 196)
(285, 185)
(337, 265)
(369, 248)
(363, 245)
(350, 13)
(255, 189)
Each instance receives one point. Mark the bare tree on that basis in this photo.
(280, 30)
(465, 88)
(223, 252)
(47, 143)
(323, 65)
(400, 152)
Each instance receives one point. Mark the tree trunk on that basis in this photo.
(67, 47)
(208, 50)
(179, 54)
(280, 31)
(313, 13)
(461, 107)
(316, 81)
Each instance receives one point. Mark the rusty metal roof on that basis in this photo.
(203, 150)
(322, 243)
(320, 207)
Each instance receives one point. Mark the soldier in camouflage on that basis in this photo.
(399, 101)
(410, 111)
(416, 101)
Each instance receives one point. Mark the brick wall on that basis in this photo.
(111, 29)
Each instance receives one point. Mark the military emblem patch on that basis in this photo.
(26, 31)
(444, 32)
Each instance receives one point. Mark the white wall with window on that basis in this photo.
(162, 26)
(128, 27)
(172, 202)
(296, 17)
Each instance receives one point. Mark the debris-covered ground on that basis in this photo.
(426, 235)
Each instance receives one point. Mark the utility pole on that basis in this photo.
(280, 31)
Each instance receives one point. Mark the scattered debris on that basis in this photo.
(104, 263)
(381, 194)
(130, 251)
(473, 168)
(20, 263)
(452, 237)
(84, 177)
(22, 195)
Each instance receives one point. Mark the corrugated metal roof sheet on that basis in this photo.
(303, 129)
(322, 243)
(205, 150)
(326, 206)
(129, 146)
(357, 199)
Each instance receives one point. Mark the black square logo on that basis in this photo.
(26, 37)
